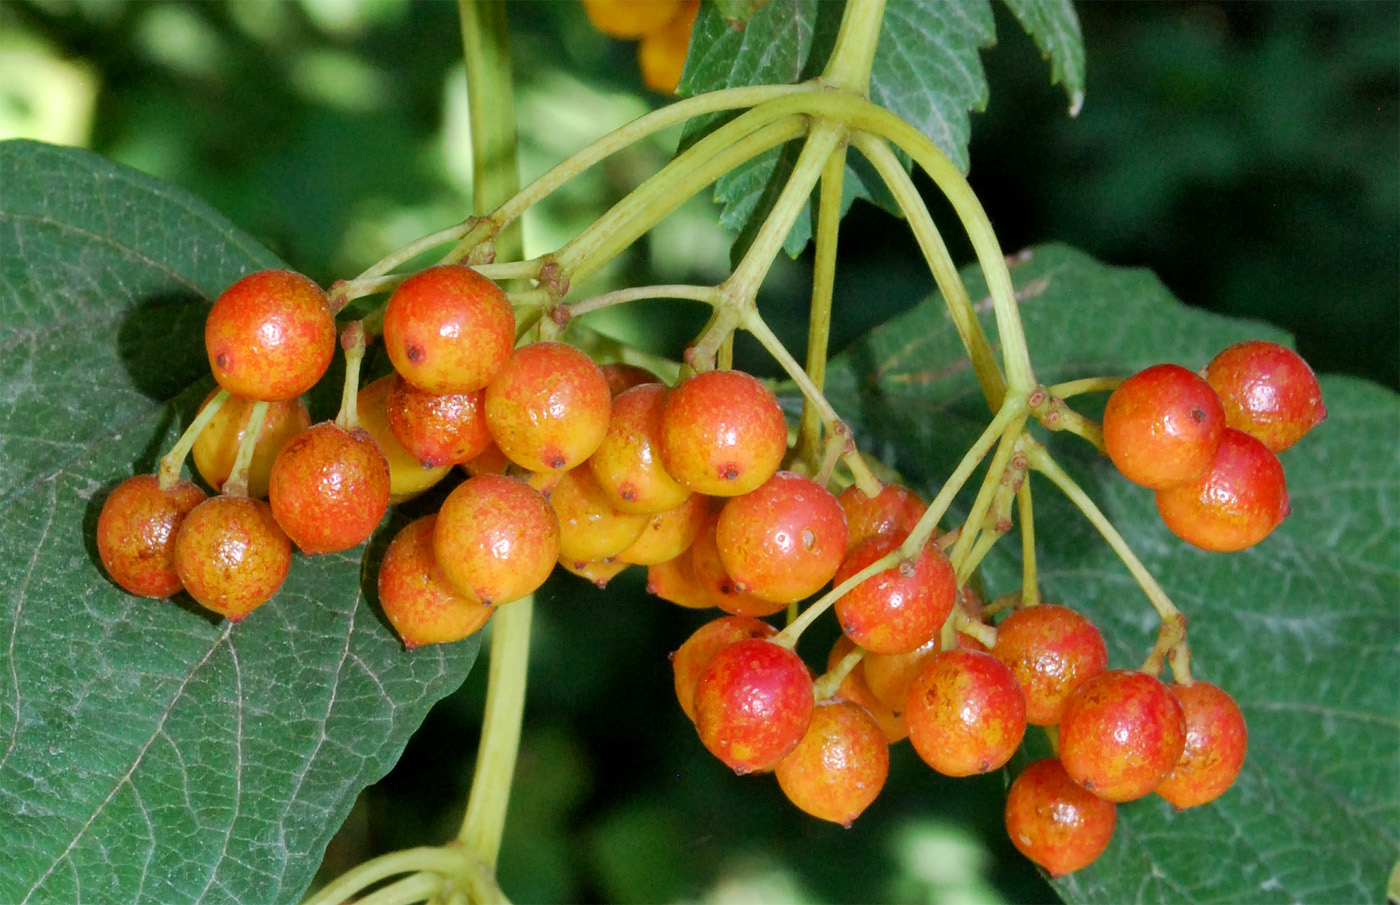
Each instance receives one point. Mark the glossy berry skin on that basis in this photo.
(669, 534)
(966, 713)
(622, 377)
(1162, 426)
(270, 336)
(415, 596)
(627, 463)
(490, 461)
(1121, 734)
(690, 660)
(631, 18)
(1235, 504)
(890, 675)
(753, 704)
(840, 765)
(216, 447)
(1216, 739)
(448, 329)
(722, 433)
(136, 532)
(1267, 391)
(783, 540)
(549, 407)
(724, 591)
(661, 53)
(675, 582)
(856, 689)
(589, 527)
(232, 555)
(407, 476)
(1051, 650)
(496, 538)
(438, 428)
(329, 488)
(900, 608)
(1056, 823)
(598, 571)
(894, 510)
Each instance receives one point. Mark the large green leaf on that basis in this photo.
(1303, 629)
(148, 751)
(926, 69)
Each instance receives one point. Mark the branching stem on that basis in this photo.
(173, 462)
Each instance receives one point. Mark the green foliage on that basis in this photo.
(148, 751)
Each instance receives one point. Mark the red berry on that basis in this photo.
(900, 608)
(136, 533)
(783, 540)
(232, 555)
(622, 377)
(753, 704)
(1267, 391)
(840, 765)
(1162, 426)
(496, 539)
(724, 591)
(1051, 650)
(216, 447)
(438, 428)
(856, 689)
(1235, 504)
(894, 510)
(270, 336)
(627, 463)
(690, 660)
(329, 488)
(1056, 823)
(966, 713)
(722, 433)
(674, 581)
(669, 533)
(407, 476)
(448, 329)
(1121, 734)
(1215, 745)
(549, 407)
(890, 675)
(417, 599)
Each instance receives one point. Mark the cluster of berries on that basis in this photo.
(661, 28)
(1208, 443)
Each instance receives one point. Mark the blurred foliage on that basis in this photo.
(1247, 153)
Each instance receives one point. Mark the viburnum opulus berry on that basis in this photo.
(216, 447)
(856, 689)
(753, 704)
(669, 534)
(270, 336)
(965, 712)
(890, 675)
(231, 555)
(407, 476)
(895, 509)
(627, 463)
(1051, 650)
(839, 766)
(1267, 391)
(496, 538)
(589, 527)
(1121, 733)
(898, 609)
(1055, 822)
(675, 581)
(549, 407)
(329, 488)
(1236, 503)
(722, 433)
(724, 591)
(784, 539)
(136, 532)
(1216, 739)
(1162, 426)
(438, 428)
(448, 329)
(691, 658)
(417, 600)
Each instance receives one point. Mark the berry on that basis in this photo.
(1235, 504)
(589, 527)
(840, 765)
(627, 463)
(900, 608)
(631, 18)
(1162, 426)
(856, 689)
(622, 377)
(753, 704)
(1215, 745)
(136, 533)
(965, 712)
(438, 428)
(448, 329)
(675, 581)
(417, 599)
(1054, 822)
(722, 433)
(1051, 650)
(329, 488)
(231, 555)
(407, 476)
(661, 54)
(490, 461)
(690, 660)
(895, 509)
(783, 540)
(216, 447)
(724, 591)
(496, 538)
(890, 675)
(1267, 391)
(270, 336)
(1121, 734)
(669, 533)
(549, 407)
(598, 571)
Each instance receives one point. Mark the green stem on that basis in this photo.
(1085, 385)
(827, 686)
(448, 862)
(491, 113)
(173, 462)
(413, 888)
(854, 52)
(1030, 587)
(829, 194)
(996, 470)
(636, 293)
(352, 340)
(237, 482)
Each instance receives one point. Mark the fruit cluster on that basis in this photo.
(661, 28)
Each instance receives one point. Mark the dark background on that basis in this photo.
(1247, 153)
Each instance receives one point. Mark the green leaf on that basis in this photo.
(148, 750)
(1302, 629)
(1055, 27)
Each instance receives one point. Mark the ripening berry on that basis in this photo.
(1122, 732)
(549, 407)
(216, 447)
(1051, 650)
(496, 538)
(894, 510)
(966, 713)
(1162, 426)
(898, 609)
(627, 463)
(232, 555)
(270, 336)
(1235, 504)
(722, 433)
(1267, 391)
(622, 377)
(661, 53)
(674, 581)
(407, 476)
(417, 599)
(490, 461)
(631, 18)
(669, 533)
(438, 428)
(840, 765)
(690, 660)
(136, 533)
(783, 540)
(329, 488)
(1056, 823)
(589, 527)
(753, 704)
(724, 591)
(856, 689)
(598, 571)
(448, 329)
(1215, 746)
(890, 675)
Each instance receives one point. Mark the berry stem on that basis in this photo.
(973, 527)
(829, 192)
(583, 306)
(1030, 585)
(418, 887)
(789, 635)
(452, 862)
(968, 626)
(173, 462)
(237, 483)
(827, 686)
(352, 340)
(851, 58)
(1085, 385)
